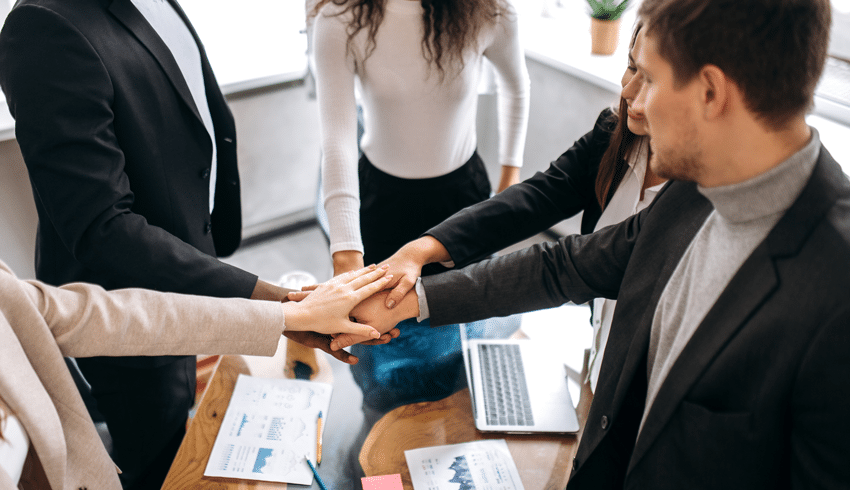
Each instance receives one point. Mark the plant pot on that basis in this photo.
(604, 35)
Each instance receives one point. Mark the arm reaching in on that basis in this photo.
(406, 266)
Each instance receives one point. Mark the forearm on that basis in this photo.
(89, 321)
(338, 125)
(269, 292)
(575, 268)
(508, 59)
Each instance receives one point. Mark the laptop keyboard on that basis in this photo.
(506, 400)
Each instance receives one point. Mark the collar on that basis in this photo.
(769, 192)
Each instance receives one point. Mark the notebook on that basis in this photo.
(517, 386)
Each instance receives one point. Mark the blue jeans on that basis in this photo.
(423, 364)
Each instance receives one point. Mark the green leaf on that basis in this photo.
(607, 9)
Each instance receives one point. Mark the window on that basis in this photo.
(834, 88)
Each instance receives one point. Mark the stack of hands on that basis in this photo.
(362, 305)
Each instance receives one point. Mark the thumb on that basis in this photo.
(398, 292)
(347, 340)
(359, 330)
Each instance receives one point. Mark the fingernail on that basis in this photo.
(375, 334)
(388, 276)
(390, 303)
(385, 266)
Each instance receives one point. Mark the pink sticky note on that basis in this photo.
(384, 482)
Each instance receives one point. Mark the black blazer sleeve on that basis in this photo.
(70, 122)
(575, 268)
(532, 206)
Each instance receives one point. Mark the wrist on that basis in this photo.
(427, 249)
(291, 316)
(347, 260)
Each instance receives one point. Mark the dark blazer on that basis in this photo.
(757, 399)
(117, 154)
(565, 189)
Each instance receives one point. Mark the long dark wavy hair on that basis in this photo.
(623, 145)
(450, 26)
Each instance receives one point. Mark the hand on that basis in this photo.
(323, 342)
(510, 176)
(383, 339)
(406, 265)
(373, 312)
(326, 309)
(347, 261)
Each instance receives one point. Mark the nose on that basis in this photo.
(632, 87)
(638, 101)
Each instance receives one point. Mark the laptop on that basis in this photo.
(517, 386)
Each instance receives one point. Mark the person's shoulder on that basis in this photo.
(606, 121)
(507, 19)
(332, 11)
(57, 13)
(61, 7)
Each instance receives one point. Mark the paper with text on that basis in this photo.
(269, 427)
(478, 465)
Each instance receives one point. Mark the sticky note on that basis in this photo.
(384, 482)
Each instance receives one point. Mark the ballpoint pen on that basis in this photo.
(316, 474)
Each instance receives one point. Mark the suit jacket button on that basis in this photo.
(604, 422)
(207, 228)
(205, 173)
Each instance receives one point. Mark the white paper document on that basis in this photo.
(478, 465)
(269, 427)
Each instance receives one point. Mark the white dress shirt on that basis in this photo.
(625, 202)
(174, 33)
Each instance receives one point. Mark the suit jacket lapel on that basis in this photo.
(748, 289)
(135, 22)
(631, 344)
(23, 391)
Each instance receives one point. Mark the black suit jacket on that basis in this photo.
(759, 396)
(565, 189)
(117, 154)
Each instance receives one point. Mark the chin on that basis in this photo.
(637, 128)
(683, 168)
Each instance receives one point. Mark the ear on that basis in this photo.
(717, 91)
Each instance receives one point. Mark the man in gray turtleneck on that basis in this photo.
(727, 364)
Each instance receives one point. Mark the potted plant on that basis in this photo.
(605, 24)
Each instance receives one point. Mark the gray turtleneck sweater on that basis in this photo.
(744, 213)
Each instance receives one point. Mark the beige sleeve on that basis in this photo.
(88, 321)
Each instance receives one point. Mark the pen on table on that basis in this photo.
(316, 474)
(319, 439)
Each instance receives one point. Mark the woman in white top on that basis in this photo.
(416, 66)
(41, 411)
(605, 175)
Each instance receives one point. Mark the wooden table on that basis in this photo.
(544, 462)
(187, 470)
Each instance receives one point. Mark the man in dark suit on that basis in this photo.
(726, 365)
(131, 152)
